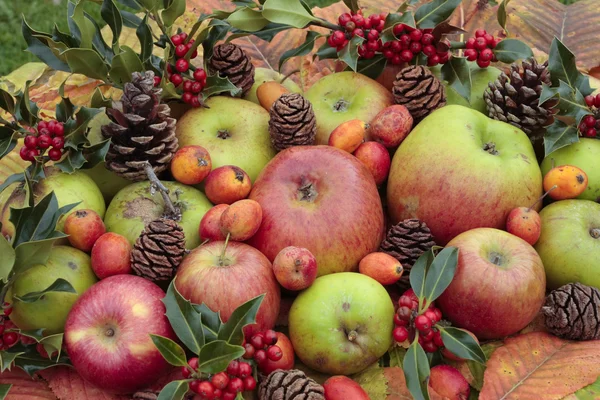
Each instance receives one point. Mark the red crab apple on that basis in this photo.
(210, 224)
(391, 126)
(448, 383)
(295, 268)
(84, 227)
(107, 334)
(340, 387)
(111, 255)
(320, 198)
(240, 271)
(376, 158)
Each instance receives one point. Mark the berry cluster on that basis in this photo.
(590, 125)
(8, 330)
(262, 348)
(480, 48)
(355, 24)
(407, 322)
(410, 42)
(48, 134)
(224, 385)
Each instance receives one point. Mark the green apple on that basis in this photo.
(343, 96)
(342, 323)
(458, 170)
(570, 243)
(134, 207)
(51, 310)
(262, 75)
(584, 154)
(234, 131)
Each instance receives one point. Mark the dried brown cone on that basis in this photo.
(292, 122)
(573, 312)
(290, 385)
(141, 130)
(230, 61)
(419, 91)
(159, 250)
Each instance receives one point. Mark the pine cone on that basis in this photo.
(573, 312)
(290, 385)
(292, 122)
(419, 91)
(141, 130)
(230, 61)
(159, 250)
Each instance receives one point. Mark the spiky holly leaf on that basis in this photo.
(185, 320)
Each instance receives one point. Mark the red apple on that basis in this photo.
(286, 362)
(448, 383)
(107, 334)
(210, 224)
(376, 158)
(84, 227)
(225, 278)
(295, 268)
(320, 198)
(499, 285)
(241, 220)
(111, 255)
(391, 126)
(340, 387)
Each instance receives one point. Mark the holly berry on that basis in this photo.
(427, 38)
(591, 133)
(176, 79)
(31, 142)
(486, 55)
(200, 75)
(590, 121)
(260, 357)
(406, 55)
(176, 40)
(44, 141)
(235, 385)
(54, 154)
(405, 301)
(438, 314)
(220, 380)
(31, 155)
(10, 338)
(249, 383)
(233, 368)
(415, 47)
(257, 341)
(429, 347)
(423, 324)
(41, 125)
(187, 86)
(404, 313)
(483, 64)
(437, 339)
(400, 334)
(344, 19)
(433, 60)
(206, 389)
(217, 394)
(182, 65)
(24, 154)
(194, 385)
(597, 101)
(428, 337)
(589, 100)
(480, 33)
(181, 50)
(58, 142)
(249, 351)
(471, 54)
(229, 396)
(431, 315)
(187, 97)
(416, 35)
(274, 353)
(270, 337)
(195, 102)
(245, 370)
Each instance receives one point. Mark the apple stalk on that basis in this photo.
(156, 185)
(542, 197)
(222, 256)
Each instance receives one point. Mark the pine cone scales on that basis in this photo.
(292, 122)
(290, 385)
(230, 61)
(159, 250)
(419, 91)
(141, 130)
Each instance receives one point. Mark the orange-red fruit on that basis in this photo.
(84, 227)
(449, 383)
(227, 184)
(391, 126)
(525, 223)
(341, 387)
(376, 158)
(286, 362)
(111, 255)
(191, 165)
(268, 93)
(382, 267)
(348, 135)
(210, 224)
(241, 220)
(569, 180)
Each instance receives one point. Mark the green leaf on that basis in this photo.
(218, 31)
(87, 62)
(404, 6)
(559, 135)
(590, 392)
(372, 67)
(175, 390)
(372, 380)
(232, 331)
(571, 103)
(8, 140)
(416, 371)
(289, 12)
(302, 50)
(440, 274)
(39, 45)
(247, 19)
(31, 253)
(130, 20)
(461, 344)
(432, 13)
(511, 50)
(144, 35)
(99, 101)
(98, 43)
(562, 67)
(267, 33)
(387, 34)
(26, 110)
(7, 101)
(151, 5)
(53, 343)
(175, 10)
(502, 15)
(111, 15)
(352, 5)
(216, 85)
(477, 369)
(216, 356)
(7, 260)
(397, 355)
(171, 351)
(124, 64)
(85, 157)
(458, 75)
(211, 321)
(185, 320)
(59, 285)
(349, 54)
(4, 390)
(14, 178)
(64, 110)
(85, 26)
(7, 359)
(31, 361)
(418, 272)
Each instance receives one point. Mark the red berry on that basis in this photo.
(437, 339)
(30, 142)
(429, 347)
(249, 383)
(270, 337)
(44, 141)
(42, 125)
(396, 60)
(400, 334)
(235, 385)
(427, 39)
(233, 368)
(220, 380)
(388, 53)
(229, 396)
(470, 44)
(428, 337)
(330, 41)
(218, 394)
(589, 100)
(483, 64)
(405, 41)
(398, 29)
(249, 351)
(200, 75)
(396, 46)
(31, 155)
(8, 309)
(181, 50)
(182, 65)
(398, 321)
(380, 26)
(431, 315)
(157, 81)
(260, 357)
(486, 55)
(597, 101)
(24, 154)
(358, 32)
(406, 55)
(338, 38)
(350, 26)
(344, 19)
(491, 42)
(54, 154)
(274, 353)
(195, 102)
(193, 363)
(183, 35)
(438, 314)
(429, 50)
(10, 338)
(373, 35)
(444, 57)
(422, 323)
(206, 389)
(591, 132)
(187, 97)
(590, 121)
(185, 372)
(358, 20)
(415, 47)
(245, 370)
(194, 385)
(480, 33)
(405, 301)
(404, 313)
(258, 341)
(187, 86)
(416, 35)
(480, 43)
(372, 45)
(176, 40)
(58, 142)
(176, 79)
(471, 54)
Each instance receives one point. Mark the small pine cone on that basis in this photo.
(573, 312)
(419, 91)
(159, 250)
(290, 385)
(230, 61)
(292, 122)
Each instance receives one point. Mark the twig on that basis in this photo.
(156, 185)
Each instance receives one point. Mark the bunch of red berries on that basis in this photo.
(590, 125)
(224, 385)
(49, 134)
(480, 48)
(262, 348)
(8, 330)
(410, 42)
(407, 322)
(355, 24)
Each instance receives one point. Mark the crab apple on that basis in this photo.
(191, 165)
(376, 158)
(111, 255)
(448, 383)
(286, 362)
(525, 223)
(390, 126)
(227, 184)
(269, 92)
(210, 224)
(84, 227)
(241, 220)
(340, 387)
(570, 182)
(382, 267)
(348, 135)
(295, 268)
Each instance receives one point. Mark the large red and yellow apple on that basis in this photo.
(499, 285)
(226, 278)
(320, 198)
(459, 170)
(107, 334)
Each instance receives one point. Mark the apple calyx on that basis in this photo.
(490, 147)
(496, 258)
(341, 106)
(307, 192)
(352, 335)
(595, 233)
(109, 332)
(223, 134)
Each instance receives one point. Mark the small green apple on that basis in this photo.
(262, 75)
(51, 310)
(585, 155)
(234, 131)
(342, 323)
(134, 207)
(570, 243)
(343, 96)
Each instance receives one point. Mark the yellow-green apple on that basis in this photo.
(343, 96)
(241, 220)
(84, 227)
(50, 311)
(376, 158)
(107, 334)
(237, 269)
(584, 155)
(227, 184)
(340, 387)
(320, 198)
(570, 242)
(390, 126)
(448, 383)
(286, 362)
(68, 188)
(499, 285)
(210, 224)
(111, 255)
(295, 268)
(459, 170)
(342, 323)
(525, 223)
(234, 131)
(134, 207)
(262, 75)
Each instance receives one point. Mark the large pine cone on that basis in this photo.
(159, 250)
(230, 61)
(573, 312)
(419, 91)
(141, 130)
(292, 122)
(290, 385)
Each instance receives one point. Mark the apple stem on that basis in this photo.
(542, 197)
(222, 256)
(173, 213)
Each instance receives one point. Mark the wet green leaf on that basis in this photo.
(440, 274)
(247, 19)
(510, 50)
(171, 351)
(232, 331)
(458, 75)
(144, 35)
(432, 13)
(418, 272)
(562, 67)
(302, 50)
(4, 390)
(175, 390)
(124, 64)
(461, 344)
(416, 371)
(7, 260)
(111, 15)
(174, 11)
(59, 285)
(289, 12)
(349, 54)
(87, 62)
(559, 135)
(372, 67)
(216, 356)
(185, 320)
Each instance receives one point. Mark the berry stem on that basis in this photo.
(156, 185)
(325, 24)
(458, 45)
(222, 256)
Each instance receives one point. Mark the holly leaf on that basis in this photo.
(440, 274)
(211, 321)
(288, 12)
(349, 54)
(247, 19)
(185, 320)
(86, 62)
(175, 390)
(7, 358)
(431, 14)
(562, 67)
(81, 26)
(4, 389)
(25, 109)
(302, 50)
(416, 371)
(175, 10)
(458, 75)
(404, 6)
(559, 135)
(216, 84)
(218, 31)
(171, 351)
(511, 50)
(571, 103)
(232, 331)
(7, 101)
(52, 343)
(59, 285)
(501, 15)
(32, 253)
(44, 47)
(267, 33)
(460, 343)
(8, 140)
(445, 28)
(372, 67)
(392, 19)
(99, 101)
(124, 64)
(418, 272)
(111, 15)
(7, 261)
(352, 5)
(216, 356)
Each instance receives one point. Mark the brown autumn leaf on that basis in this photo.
(66, 384)
(535, 364)
(397, 389)
(25, 387)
